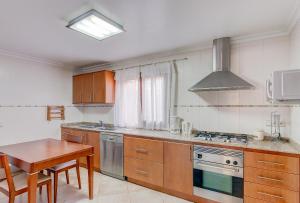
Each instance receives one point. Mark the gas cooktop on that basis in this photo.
(222, 137)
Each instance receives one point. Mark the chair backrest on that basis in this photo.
(2, 171)
(74, 138)
(5, 172)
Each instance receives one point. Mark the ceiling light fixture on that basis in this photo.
(96, 25)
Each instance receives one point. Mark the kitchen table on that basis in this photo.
(34, 156)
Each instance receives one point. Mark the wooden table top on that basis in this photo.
(42, 151)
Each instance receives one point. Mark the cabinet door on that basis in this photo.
(77, 89)
(99, 87)
(87, 88)
(104, 86)
(178, 167)
(93, 139)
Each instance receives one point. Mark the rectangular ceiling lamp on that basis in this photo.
(96, 25)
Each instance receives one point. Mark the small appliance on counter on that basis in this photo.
(187, 128)
(259, 135)
(175, 124)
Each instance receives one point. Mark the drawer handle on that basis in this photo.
(272, 179)
(140, 172)
(141, 150)
(65, 133)
(270, 195)
(270, 162)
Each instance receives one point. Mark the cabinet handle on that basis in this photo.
(67, 133)
(272, 179)
(270, 195)
(140, 172)
(141, 150)
(270, 162)
(191, 153)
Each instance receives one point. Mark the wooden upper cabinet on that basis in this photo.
(98, 87)
(104, 87)
(87, 88)
(178, 167)
(77, 89)
(83, 88)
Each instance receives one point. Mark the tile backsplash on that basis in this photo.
(230, 111)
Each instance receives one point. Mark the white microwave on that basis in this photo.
(283, 86)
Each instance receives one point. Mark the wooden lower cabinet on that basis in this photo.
(253, 200)
(90, 138)
(145, 149)
(93, 139)
(270, 194)
(272, 162)
(144, 170)
(272, 178)
(178, 167)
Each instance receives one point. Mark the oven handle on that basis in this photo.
(233, 171)
(219, 167)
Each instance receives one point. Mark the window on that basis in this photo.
(145, 105)
(128, 104)
(155, 96)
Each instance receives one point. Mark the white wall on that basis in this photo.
(25, 88)
(295, 64)
(233, 110)
(254, 61)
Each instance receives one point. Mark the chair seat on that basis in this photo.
(20, 181)
(14, 171)
(63, 165)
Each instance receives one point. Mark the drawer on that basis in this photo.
(145, 149)
(272, 178)
(272, 162)
(270, 194)
(253, 200)
(66, 131)
(143, 170)
(71, 133)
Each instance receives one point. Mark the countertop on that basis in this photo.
(272, 146)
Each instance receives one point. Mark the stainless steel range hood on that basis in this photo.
(221, 78)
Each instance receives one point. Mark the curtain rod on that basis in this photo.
(147, 64)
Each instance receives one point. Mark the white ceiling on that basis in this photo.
(37, 27)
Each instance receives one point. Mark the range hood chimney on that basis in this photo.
(221, 78)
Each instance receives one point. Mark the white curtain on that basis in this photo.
(156, 93)
(128, 99)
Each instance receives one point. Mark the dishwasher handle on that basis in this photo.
(112, 138)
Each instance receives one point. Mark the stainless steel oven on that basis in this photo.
(218, 174)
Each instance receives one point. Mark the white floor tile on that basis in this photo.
(106, 190)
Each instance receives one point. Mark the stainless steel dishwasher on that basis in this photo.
(111, 146)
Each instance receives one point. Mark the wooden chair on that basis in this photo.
(66, 166)
(14, 183)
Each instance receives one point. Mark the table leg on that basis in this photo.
(32, 186)
(90, 166)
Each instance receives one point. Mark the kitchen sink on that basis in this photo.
(96, 126)
(89, 125)
(106, 128)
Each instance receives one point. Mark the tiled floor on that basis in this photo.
(107, 190)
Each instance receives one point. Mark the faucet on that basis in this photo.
(101, 123)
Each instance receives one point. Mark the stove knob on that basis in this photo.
(227, 161)
(235, 163)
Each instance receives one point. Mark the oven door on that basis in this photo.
(218, 182)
